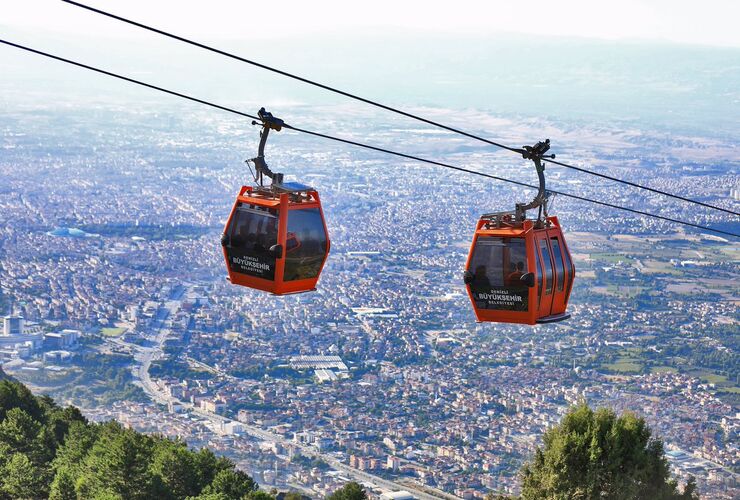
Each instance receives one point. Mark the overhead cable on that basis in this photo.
(362, 145)
(386, 107)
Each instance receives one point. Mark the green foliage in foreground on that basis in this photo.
(52, 452)
(594, 455)
(350, 491)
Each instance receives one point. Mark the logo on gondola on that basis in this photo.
(502, 300)
(254, 266)
(251, 263)
(500, 297)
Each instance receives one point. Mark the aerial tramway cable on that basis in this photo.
(389, 108)
(366, 146)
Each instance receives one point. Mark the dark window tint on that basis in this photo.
(252, 232)
(546, 260)
(539, 279)
(497, 265)
(558, 263)
(305, 246)
(499, 261)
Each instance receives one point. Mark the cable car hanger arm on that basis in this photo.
(269, 122)
(535, 153)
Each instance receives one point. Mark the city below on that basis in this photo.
(112, 283)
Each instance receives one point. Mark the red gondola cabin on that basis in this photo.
(517, 273)
(276, 242)
(519, 270)
(275, 238)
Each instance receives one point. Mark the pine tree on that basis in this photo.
(210, 496)
(593, 455)
(16, 395)
(260, 495)
(233, 484)
(174, 464)
(19, 431)
(206, 466)
(118, 464)
(52, 452)
(63, 486)
(21, 479)
(80, 438)
(350, 491)
(60, 419)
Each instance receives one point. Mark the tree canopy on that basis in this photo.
(350, 491)
(51, 452)
(594, 455)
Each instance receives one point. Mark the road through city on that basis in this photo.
(140, 370)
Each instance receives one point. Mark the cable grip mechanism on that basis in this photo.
(535, 153)
(268, 123)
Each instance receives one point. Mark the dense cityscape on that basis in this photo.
(113, 286)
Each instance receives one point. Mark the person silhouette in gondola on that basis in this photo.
(514, 277)
(266, 238)
(481, 283)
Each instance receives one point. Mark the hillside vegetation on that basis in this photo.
(51, 452)
(47, 451)
(597, 454)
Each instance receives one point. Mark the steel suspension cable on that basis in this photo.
(362, 145)
(386, 107)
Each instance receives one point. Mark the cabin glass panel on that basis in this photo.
(252, 232)
(558, 263)
(497, 265)
(547, 261)
(305, 246)
(539, 279)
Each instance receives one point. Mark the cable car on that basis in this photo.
(275, 239)
(519, 270)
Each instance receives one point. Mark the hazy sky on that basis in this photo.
(403, 53)
(711, 22)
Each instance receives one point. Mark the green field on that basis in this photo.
(629, 360)
(624, 366)
(112, 332)
(663, 369)
(624, 291)
(714, 379)
(710, 377)
(731, 390)
(661, 267)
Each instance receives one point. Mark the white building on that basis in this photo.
(231, 428)
(61, 340)
(12, 325)
(397, 495)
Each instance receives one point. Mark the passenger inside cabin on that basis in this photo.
(481, 283)
(514, 277)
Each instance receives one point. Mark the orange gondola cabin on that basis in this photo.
(519, 270)
(276, 238)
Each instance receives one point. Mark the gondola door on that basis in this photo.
(547, 281)
(558, 256)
